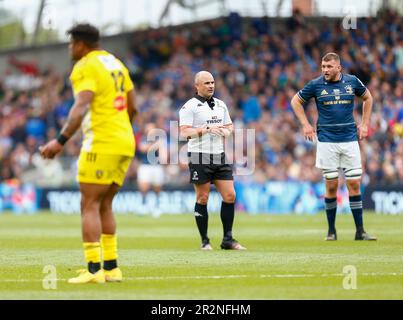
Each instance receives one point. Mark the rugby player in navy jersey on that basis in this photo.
(337, 135)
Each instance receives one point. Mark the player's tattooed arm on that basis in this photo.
(77, 113)
(76, 116)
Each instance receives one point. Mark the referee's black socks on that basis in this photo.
(227, 218)
(201, 216)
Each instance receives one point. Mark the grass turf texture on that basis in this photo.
(160, 258)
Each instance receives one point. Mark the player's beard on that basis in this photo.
(333, 77)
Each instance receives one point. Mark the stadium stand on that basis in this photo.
(259, 64)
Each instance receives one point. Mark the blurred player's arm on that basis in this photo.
(131, 104)
(76, 116)
(297, 106)
(366, 115)
(77, 113)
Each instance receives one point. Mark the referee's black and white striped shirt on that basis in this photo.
(199, 113)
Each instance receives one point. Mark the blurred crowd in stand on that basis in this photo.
(258, 65)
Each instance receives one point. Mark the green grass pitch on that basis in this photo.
(160, 258)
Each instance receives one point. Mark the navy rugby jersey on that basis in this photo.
(335, 104)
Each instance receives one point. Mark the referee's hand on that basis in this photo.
(220, 131)
(225, 131)
(217, 132)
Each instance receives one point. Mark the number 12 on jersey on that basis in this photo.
(119, 79)
(120, 100)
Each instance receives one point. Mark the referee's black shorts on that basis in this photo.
(206, 167)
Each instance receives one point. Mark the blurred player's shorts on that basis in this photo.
(151, 173)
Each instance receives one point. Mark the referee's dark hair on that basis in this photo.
(86, 33)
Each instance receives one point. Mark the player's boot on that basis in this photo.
(231, 244)
(206, 246)
(364, 236)
(331, 236)
(87, 277)
(114, 275)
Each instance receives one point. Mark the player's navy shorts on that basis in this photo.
(206, 167)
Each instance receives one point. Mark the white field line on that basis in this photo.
(324, 275)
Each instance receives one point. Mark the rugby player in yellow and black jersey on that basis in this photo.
(104, 108)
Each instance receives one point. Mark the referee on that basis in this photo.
(204, 121)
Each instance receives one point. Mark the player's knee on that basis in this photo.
(330, 174)
(354, 186)
(331, 188)
(331, 192)
(106, 208)
(353, 174)
(83, 205)
(202, 198)
(144, 187)
(89, 205)
(229, 197)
